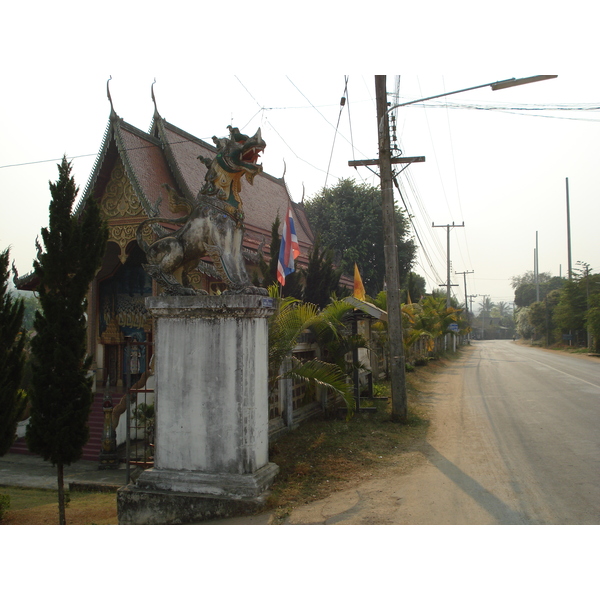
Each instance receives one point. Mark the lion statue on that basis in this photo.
(214, 225)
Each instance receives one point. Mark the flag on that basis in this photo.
(359, 288)
(289, 248)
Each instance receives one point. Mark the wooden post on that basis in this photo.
(397, 374)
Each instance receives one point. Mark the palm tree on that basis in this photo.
(502, 308)
(425, 320)
(486, 306)
(291, 320)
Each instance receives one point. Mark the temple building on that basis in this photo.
(128, 181)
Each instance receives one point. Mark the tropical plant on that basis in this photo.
(502, 308)
(425, 320)
(292, 319)
(486, 306)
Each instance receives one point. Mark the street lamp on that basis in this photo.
(397, 367)
(497, 85)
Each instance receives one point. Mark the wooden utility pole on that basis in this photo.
(464, 274)
(392, 271)
(471, 296)
(448, 284)
(392, 277)
(570, 266)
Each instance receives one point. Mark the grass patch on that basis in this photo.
(325, 455)
(40, 507)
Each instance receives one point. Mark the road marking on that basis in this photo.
(564, 373)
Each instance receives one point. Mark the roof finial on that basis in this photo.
(112, 108)
(153, 97)
(284, 169)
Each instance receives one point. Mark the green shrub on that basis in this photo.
(4, 505)
(380, 390)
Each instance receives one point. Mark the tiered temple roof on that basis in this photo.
(169, 155)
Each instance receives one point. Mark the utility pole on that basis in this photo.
(399, 404)
(392, 271)
(483, 316)
(471, 296)
(464, 274)
(448, 283)
(536, 269)
(569, 266)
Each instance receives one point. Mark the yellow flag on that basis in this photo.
(359, 288)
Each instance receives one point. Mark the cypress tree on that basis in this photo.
(12, 340)
(322, 278)
(73, 247)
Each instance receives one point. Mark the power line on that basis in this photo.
(522, 110)
(342, 104)
(38, 162)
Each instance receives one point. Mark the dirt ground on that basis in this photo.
(398, 496)
(424, 486)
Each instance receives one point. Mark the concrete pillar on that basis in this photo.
(211, 402)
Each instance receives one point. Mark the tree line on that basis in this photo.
(567, 312)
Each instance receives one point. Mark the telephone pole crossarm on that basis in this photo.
(448, 283)
(393, 161)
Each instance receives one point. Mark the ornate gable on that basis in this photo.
(120, 200)
(122, 209)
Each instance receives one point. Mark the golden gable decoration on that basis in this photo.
(119, 198)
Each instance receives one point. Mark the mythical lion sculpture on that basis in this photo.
(215, 224)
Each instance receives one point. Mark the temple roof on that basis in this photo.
(169, 155)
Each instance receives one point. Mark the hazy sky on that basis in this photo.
(501, 172)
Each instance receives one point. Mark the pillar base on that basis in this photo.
(139, 506)
(170, 497)
(226, 485)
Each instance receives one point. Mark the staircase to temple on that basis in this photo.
(91, 450)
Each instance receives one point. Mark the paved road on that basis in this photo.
(539, 416)
(516, 441)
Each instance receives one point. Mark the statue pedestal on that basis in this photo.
(211, 403)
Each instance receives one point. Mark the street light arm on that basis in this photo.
(497, 85)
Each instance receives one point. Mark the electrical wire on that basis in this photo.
(523, 110)
(464, 231)
(342, 104)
